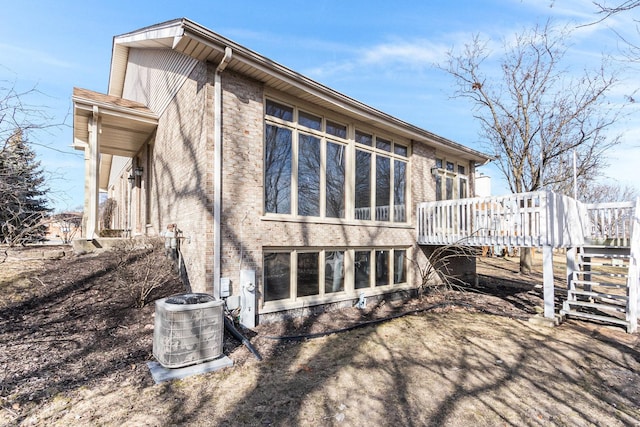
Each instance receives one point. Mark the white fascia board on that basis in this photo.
(161, 34)
(115, 110)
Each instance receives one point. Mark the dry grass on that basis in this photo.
(450, 364)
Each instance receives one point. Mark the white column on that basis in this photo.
(92, 171)
(547, 279)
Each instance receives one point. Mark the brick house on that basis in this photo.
(285, 194)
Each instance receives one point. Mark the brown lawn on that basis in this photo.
(73, 352)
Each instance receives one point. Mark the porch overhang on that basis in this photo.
(124, 126)
(105, 126)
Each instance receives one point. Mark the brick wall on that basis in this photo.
(179, 181)
(245, 232)
(181, 184)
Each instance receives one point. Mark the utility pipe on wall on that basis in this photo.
(217, 169)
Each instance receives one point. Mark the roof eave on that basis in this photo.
(175, 33)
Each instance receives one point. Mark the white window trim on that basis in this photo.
(349, 292)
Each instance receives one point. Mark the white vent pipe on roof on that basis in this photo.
(217, 169)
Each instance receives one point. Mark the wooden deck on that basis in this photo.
(547, 220)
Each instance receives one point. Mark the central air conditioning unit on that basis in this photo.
(188, 329)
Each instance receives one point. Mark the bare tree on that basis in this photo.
(609, 192)
(606, 10)
(108, 212)
(534, 116)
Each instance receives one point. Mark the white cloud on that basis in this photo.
(32, 55)
(415, 53)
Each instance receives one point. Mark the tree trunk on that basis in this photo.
(526, 261)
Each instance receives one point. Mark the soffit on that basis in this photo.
(125, 126)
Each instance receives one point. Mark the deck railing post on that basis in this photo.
(633, 278)
(544, 209)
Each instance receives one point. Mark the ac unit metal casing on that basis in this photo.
(188, 329)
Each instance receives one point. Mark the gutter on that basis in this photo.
(217, 169)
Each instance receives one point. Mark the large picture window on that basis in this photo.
(308, 168)
(324, 273)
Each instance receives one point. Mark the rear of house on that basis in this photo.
(283, 194)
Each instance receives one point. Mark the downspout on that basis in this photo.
(217, 169)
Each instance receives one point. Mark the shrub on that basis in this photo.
(142, 268)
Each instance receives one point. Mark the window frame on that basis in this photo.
(447, 169)
(392, 149)
(349, 275)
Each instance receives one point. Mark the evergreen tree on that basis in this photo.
(23, 205)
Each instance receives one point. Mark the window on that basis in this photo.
(383, 144)
(382, 268)
(363, 138)
(450, 182)
(399, 190)
(309, 176)
(462, 183)
(308, 274)
(277, 276)
(309, 120)
(280, 111)
(333, 272)
(383, 188)
(277, 164)
(362, 269)
(308, 164)
(399, 266)
(336, 129)
(389, 172)
(324, 273)
(336, 172)
(363, 185)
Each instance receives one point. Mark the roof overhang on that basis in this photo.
(190, 38)
(125, 126)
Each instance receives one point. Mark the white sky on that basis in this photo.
(381, 53)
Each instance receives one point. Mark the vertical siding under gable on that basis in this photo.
(154, 76)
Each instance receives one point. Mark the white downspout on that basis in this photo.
(217, 169)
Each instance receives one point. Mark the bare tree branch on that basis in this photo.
(533, 116)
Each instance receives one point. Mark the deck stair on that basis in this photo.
(598, 288)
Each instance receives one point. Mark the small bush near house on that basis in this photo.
(141, 268)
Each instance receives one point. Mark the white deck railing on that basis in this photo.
(610, 223)
(533, 219)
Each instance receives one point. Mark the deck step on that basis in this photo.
(604, 264)
(598, 295)
(607, 319)
(602, 284)
(598, 306)
(603, 273)
(604, 255)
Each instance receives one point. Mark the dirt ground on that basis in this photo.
(73, 351)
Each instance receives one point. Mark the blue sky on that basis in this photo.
(381, 53)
